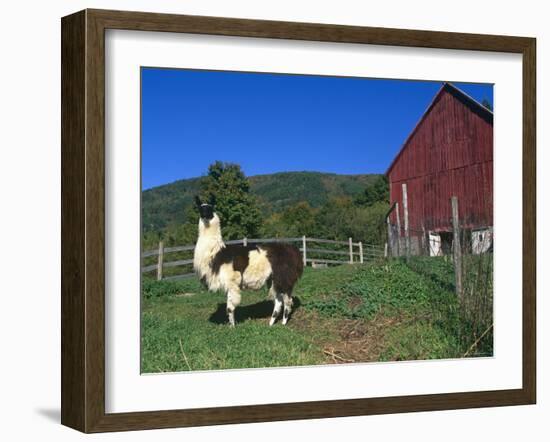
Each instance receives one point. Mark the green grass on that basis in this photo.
(382, 311)
(180, 333)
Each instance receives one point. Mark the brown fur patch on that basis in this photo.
(286, 264)
(232, 253)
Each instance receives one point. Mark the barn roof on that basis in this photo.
(463, 97)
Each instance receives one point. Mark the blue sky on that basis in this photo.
(274, 122)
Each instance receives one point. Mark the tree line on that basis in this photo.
(360, 217)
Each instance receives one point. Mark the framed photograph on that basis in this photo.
(269, 220)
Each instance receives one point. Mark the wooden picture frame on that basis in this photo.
(83, 220)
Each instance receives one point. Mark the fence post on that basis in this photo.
(398, 229)
(160, 260)
(457, 251)
(406, 220)
(361, 252)
(350, 241)
(304, 254)
(390, 241)
(245, 242)
(423, 244)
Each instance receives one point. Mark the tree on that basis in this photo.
(377, 191)
(227, 186)
(332, 219)
(368, 223)
(183, 233)
(296, 220)
(299, 219)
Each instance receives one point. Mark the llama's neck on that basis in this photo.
(208, 244)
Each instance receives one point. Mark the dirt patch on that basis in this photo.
(354, 302)
(346, 340)
(359, 340)
(304, 321)
(185, 295)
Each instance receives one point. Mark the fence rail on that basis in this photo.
(355, 252)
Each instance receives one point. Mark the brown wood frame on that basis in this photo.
(83, 216)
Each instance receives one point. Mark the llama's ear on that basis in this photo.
(197, 201)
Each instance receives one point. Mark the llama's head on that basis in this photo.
(206, 210)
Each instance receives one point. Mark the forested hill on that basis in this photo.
(167, 204)
(280, 190)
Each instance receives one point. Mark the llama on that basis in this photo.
(233, 268)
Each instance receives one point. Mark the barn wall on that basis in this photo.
(449, 154)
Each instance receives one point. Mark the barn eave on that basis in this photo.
(466, 99)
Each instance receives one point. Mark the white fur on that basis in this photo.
(208, 244)
(258, 270)
(287, 300)
(276, 308)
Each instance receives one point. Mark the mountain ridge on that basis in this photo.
(167, 204)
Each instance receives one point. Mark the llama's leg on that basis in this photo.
(278, 305)
(233, 300)
(287, 299)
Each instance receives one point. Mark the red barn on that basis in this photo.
(448, 153)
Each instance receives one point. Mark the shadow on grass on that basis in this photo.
(260, 310)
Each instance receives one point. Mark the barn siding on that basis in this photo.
(450, 153)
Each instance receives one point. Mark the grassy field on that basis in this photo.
(381, 311)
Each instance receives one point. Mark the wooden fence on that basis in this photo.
(342, 252)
